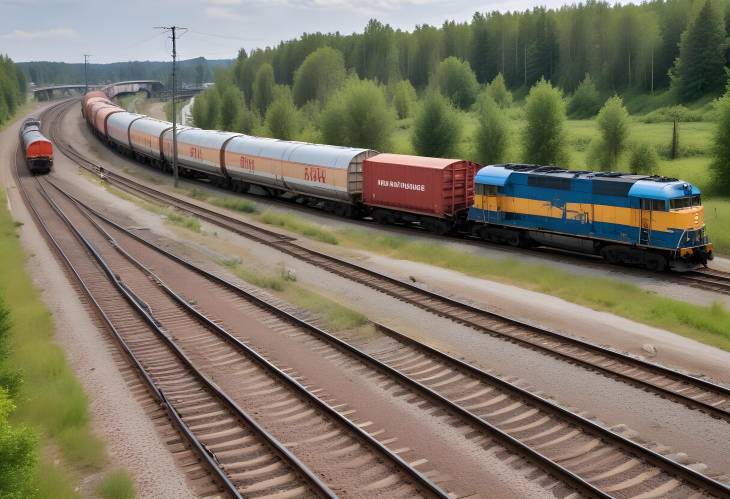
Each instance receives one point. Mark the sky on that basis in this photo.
(122, 30)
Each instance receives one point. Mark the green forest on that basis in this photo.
(13, 88)
(191, 72)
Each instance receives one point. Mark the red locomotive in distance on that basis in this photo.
(37, 149)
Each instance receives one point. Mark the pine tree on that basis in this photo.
(586, 100)
(543, 138)
(721, 146)
(491, 136)
(700, 67)
(613, 123)
(497, 90)
(263, 88)
(437, 128)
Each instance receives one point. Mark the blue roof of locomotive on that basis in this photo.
(644, 186)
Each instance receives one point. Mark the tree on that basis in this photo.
(700, 67)
(491, 136)
(643, 159)
(200, 111)
(231, 106)
(322, 72)
(586, 100)
(456, 81)
(497, 90)
(721, 146)
(437, 128)
(357, 115)
(213, 103)
(263, 88)
(404, 98)
(613, 124)
(543, 138)
(281, 117)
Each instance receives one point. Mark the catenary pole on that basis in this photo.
(173, 34)
(86, 73)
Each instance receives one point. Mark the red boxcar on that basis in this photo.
(433, 191)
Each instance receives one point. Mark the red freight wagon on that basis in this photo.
(432, 191)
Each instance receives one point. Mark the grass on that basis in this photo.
(296, 224)
(717, 215)
(235, 204)
(336, 316)
(50, 399)
(184, 221)
(116, 485)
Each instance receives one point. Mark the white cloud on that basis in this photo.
(222, 3)
(40, 34)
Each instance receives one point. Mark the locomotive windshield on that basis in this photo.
(685, 202)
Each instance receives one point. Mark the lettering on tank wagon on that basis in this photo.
(246, 163)
(196, 152)
(397, 184)
(315, 174)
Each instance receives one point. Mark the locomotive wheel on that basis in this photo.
(610, 256)
(655, 263)
(513, 239)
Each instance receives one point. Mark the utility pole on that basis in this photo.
(86, 73)
(173, 30)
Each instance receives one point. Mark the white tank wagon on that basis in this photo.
(118, 126)
(321, 171)
(199, 150)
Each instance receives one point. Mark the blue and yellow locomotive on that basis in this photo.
(642, 220)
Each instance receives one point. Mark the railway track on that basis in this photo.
(708, 279)
(565, 445)
(694, 392)
(168, 341)
(189, 399)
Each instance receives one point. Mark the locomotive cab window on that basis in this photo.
(485, 190)
(653, 205)
(685, 202)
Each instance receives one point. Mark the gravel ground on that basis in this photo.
(653, 418)
(132, 441)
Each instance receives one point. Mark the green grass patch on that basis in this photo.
(337, 317)
(50, 398)
(184, 221)
(116, 485)
(235, 204)
(296, 224)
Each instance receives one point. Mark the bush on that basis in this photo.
(117, 485)
(17, 453)
(721, 146)
(643, 159)
(357, 116)
(263, 88)
(404, 99)
(497, 90)
(321, 73)
(231, 107)
(543, 138)
(586, 100)
(457, 82)
(613, 124)
(437, 128)
(281, 117)
(668, 114)
(491, 133)
(200, 111)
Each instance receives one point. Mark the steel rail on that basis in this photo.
(671, 467)
(424, 482)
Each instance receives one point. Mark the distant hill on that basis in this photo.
(191, 71)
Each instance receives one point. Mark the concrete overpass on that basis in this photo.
(152, 87)
(47, 92)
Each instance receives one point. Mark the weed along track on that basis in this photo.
(563, 445)
(692, 391)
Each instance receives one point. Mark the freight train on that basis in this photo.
(37, 149)
(650, 221)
